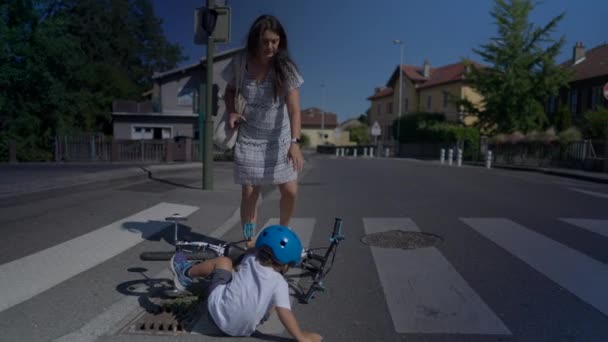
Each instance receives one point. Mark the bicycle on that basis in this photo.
(315, 264)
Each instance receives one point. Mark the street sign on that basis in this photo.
(606, 91)
(376, 131)
(221, 34)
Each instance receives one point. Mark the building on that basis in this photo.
(172, 110)
(585, 88)
(319, 126)
(425, 89)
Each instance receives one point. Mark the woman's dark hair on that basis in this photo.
(282, 64)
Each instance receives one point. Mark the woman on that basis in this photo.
(267, 150)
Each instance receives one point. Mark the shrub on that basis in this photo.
(570, 135)
(595, 123)
(410, 125)
(304, 140)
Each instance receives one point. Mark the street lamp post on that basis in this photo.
(322, 113)
(399, 42)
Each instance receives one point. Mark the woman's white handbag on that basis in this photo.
(224, 137)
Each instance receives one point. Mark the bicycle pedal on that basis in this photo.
(176, 218)
(175, 293)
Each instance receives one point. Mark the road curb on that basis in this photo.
(572, 174)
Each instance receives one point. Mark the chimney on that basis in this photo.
(378, 89)
(427, 69)
(578, 52)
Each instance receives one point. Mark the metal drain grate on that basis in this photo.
(401, 239)
(173, 317)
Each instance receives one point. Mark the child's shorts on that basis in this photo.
(217, 278)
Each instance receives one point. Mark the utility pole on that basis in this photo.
(399, 42)
(322, 114)
(208, 21)
(208, 163)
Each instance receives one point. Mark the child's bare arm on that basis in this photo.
(291, 324)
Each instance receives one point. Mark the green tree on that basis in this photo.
(63, 62)
(360, 134)
(522, 73)
(563, 118)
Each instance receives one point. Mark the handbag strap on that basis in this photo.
(240, 71)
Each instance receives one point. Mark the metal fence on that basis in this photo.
(585, 154)
(100, 148)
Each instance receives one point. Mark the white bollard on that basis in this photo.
(489, 160)
(337, 152)
(365, 151)
(342, 151)
(450, 156)
(442, 156)
(355, 151)
(459, 158)
(386, 152)
(371, 151)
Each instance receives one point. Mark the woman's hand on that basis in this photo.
(295, 156)
(235, 119)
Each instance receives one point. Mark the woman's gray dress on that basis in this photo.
(260, 152)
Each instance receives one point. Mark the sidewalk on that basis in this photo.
(26, 178)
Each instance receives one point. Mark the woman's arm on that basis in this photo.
(293, 107)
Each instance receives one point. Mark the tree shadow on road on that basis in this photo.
(164, 231)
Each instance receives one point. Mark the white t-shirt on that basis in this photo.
(239, 306)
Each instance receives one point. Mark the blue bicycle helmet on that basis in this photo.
(285, 245)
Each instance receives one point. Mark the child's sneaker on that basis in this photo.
(180, 266)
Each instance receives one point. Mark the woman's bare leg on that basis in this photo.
(287, 205)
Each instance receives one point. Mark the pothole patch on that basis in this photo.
(401, 239)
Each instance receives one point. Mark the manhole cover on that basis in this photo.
(170, 317)
(401, 239)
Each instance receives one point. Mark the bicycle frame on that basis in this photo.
(234, 252)
(320, 272)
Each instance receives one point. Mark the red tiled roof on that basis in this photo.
(445, 74)
(311, 118)
(384, 92)
(438, 76)
(595, 64)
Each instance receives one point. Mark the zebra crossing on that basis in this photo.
(424, 295)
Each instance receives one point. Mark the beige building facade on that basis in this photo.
(425, 89)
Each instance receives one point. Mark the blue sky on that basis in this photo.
(347, 45)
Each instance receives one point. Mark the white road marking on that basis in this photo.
(596, 226)
(424, 293)
(24, 278)
(591, 193)
(580, 274)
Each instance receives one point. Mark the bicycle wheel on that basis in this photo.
(160, 256)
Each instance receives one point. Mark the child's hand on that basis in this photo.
(310, 337)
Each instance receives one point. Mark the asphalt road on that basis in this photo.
(519, 256)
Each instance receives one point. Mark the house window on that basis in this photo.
(552, 104)
(185, 97)
(389, 108)
(573, 101)
(445, 99)
(151, 132)
(428, 102)
(596, 95)
(407, 105)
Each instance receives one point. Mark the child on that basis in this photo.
(239, 301)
